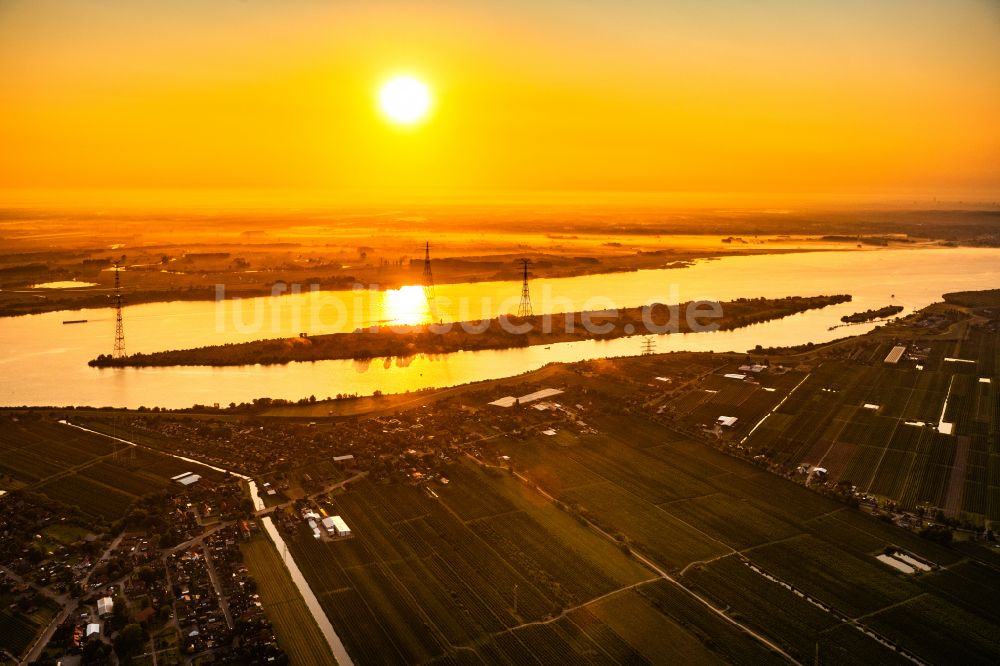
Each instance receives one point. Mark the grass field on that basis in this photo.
(294, 626)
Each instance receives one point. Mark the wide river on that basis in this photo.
(44, 361)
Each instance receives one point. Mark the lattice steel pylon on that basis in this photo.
(648, 347)
(524, 308)
(428, 279)
(119, 350)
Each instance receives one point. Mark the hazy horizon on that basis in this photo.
(784, 102)
(192, 199)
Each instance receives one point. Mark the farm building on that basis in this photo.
(187, 478)
(728, 421)
(328, 524)
(93, 629)
(349, 456)
(510, 401)
(734, 375)
(893, 356)
(898, 565)
(336, 526)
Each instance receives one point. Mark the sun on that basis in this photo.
(404, 100)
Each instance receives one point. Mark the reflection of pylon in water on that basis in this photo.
(648, 347)
(428, 281)
(524, 308)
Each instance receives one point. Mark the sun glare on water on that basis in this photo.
(404, 100)
(406, 306)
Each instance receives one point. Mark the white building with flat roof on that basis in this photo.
(187, 478)
(510, 401)
(105, 605)
(340, 528)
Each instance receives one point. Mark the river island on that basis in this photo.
(501, 332)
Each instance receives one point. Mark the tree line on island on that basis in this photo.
(868, 315)
(504, 332)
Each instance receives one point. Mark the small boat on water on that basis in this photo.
(74, 321)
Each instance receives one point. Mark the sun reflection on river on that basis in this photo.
(406, 305)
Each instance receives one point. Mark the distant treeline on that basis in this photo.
(987, 298)
(498, 333)
(868, 315)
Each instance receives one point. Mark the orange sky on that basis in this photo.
(771, 98)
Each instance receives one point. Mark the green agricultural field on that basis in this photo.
(428, 577)
(947, 633)
(671, 541)
(855, 584)
(895, 452)
(480, 565)
(79, 469)
(92, 498)
(769, 607)
(794, 566)
(294, 626)
(18, 630)
(657, 637)
(735, 522)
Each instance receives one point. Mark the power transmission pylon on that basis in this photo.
(428, 280)
(524, 309)
(648, 347)
(119, 351)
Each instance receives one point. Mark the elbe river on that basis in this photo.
(44, 362)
